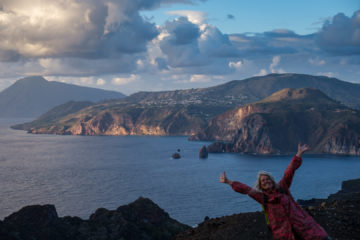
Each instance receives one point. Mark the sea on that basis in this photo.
(79, 174)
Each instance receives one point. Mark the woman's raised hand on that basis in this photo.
(302, 149)
(224, 179)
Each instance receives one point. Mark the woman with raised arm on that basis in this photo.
(287, 220)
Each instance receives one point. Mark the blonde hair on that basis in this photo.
(258, 183)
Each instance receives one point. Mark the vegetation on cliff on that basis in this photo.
(239, 92)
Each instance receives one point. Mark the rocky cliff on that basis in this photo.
(142, 220)
(186, 112)
(278, 123)
(124, 119)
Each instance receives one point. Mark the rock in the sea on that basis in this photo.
(176, 155)
(203, 153)
(142, 220)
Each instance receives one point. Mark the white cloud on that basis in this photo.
(238, 39)
(140, 64)
(327, 74)
(316, 61)
(85, 29)
(100, 82)
(86, 80)
(196, 17)
(280, 70)
(124, 80)
(274, 63)
(262, 72)
(199, 78)
(235, 65)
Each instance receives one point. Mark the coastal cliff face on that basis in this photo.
(188, 112)
(278, 123)
(123, 119)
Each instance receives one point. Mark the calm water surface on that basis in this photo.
(79, 174)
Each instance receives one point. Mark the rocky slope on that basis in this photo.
(278, 123)
(340, 217)
(142, 220)
(124, 119)
(32, 96)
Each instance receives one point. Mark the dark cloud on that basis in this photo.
(83, 29)
(272, 43)
(8, 56)
(230, 16)
(341, 36)
(161, 63)
(281, 33)
(130, 37)
(87, 67)
(182, 31)
(189, 46)
(101, 38)
(218, 44)
(181, 46)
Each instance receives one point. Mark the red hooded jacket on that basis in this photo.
(284, 214)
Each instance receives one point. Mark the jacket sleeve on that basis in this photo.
(245, 189)
(289, 172)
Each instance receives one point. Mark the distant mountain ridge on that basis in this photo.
(32, 96)
(278, 123)
(239, 92)
(188, 112)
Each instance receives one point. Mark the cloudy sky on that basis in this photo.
(148, 45)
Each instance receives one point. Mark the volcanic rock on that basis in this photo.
(220, 147)
(203, 153)
(141, 219)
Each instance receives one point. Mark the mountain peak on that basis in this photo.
(34, 95)
(32, 79)
(298, 94)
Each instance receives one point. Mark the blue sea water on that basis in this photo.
(79, 174)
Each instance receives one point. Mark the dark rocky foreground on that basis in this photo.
(141, 219)
(339, 214)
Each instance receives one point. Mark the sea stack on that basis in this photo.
(203, 153)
